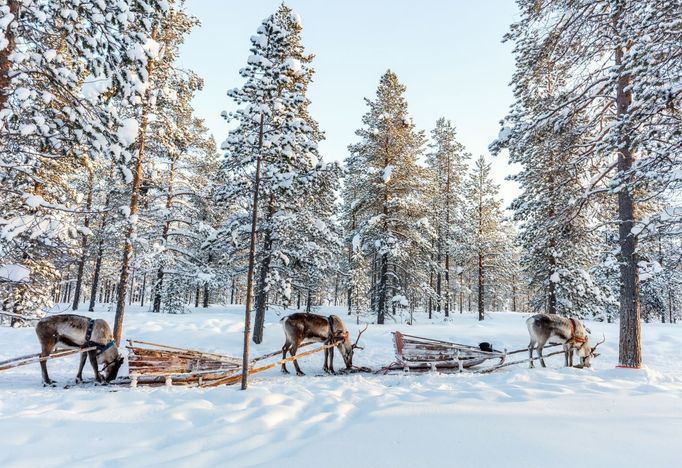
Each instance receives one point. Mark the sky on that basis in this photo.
(448, 53)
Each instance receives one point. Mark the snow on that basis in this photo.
(127, 132)
(555, 278)
(94, 87)
(293, 65)
(388, 171)
(515, 417)
(14, 273)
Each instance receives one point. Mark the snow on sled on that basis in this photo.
(415, 353)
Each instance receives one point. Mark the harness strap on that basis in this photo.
(575, 339)
(101, 348)
(332, 333)
(88, 332)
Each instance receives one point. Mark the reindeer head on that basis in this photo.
(347, 348)
(112, 361)
(113, 368)
(587, 352)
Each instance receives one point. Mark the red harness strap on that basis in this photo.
(575, 339)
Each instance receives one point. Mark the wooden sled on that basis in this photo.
(156, 364)
(414, 353)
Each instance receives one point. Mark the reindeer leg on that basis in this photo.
(46, 350)
(331, 361)
(292, 351)
(325, 367)
(542, 358)
(93, 362)
(285, 348)
(531, 345)
(79, 376)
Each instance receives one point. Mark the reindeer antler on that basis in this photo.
(603, 340)
(355, 345)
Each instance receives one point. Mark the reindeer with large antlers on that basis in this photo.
(308, 327)
(568, 331)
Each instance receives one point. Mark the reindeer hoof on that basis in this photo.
(79, 380)
(299, 373)
(284, 371)
(50, 383)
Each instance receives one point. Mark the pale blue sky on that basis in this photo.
(448, 53)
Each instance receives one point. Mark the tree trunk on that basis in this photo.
(263, 270)
(6, 52)
(134, 203)
(630, 351)
(205, 295)
(382, 290)
(430, 298)
(461, 291)
(84, 243)
(143, 289)
(481, 287)
(513, 293)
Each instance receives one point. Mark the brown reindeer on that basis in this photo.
(76, 331)
(556, 329)
(300, 327)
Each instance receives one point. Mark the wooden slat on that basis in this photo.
(32, 358)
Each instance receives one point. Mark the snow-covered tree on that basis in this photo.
(447, 161)
(167, 30)
(61, 64)
(272, 167)
(620, 69)
(559, 242)
(389, 213)
(485, 234)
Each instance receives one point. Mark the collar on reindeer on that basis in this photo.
(101, 348)
(575, 339)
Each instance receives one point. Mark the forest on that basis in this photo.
(115, 192)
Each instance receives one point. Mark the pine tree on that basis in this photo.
(447, 161)
(60, 66)
(295, 189)
(392, 226)
(166, 32)
(609, 53)
(484, 220)
(559, 242)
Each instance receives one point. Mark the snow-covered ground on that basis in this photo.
(515, 417)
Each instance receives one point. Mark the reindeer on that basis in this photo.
(570, 332)
(76, 331)
(317, 328)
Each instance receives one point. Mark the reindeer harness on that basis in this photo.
(332, 334)
(575, 339)
(101, 348)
